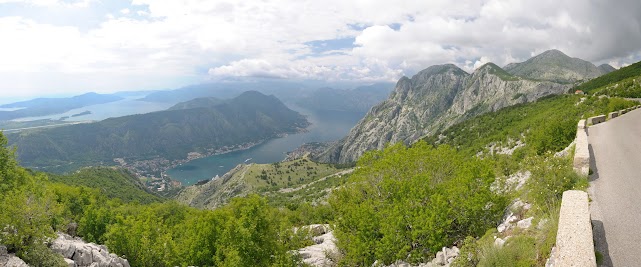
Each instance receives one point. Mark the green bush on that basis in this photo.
(407, 203)
(39, 255)
(551, 176)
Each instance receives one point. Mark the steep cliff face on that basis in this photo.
(411, 108)
(555, 66)
(434, 99)
(490, 88)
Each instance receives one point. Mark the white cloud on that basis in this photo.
(52, 3)
(188, 40)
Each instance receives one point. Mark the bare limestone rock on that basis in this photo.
(317, 255)
(10, 260)
(525, 223)
(70, 262)
(78, 253)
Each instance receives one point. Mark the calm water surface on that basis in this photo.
(124, 107)
(326, 126)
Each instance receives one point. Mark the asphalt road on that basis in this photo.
(615, 147)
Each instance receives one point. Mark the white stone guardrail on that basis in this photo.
(574, 240)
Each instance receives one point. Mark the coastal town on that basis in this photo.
(152, 172)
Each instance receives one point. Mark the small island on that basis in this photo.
(86, 112)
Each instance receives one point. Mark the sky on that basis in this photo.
(51, 47)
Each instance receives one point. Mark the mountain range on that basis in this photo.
(443, 95)
(359, 99)
(195, 126)
(47, 106)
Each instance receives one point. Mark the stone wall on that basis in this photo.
(574, 245)
(596, 120)
(581, 151)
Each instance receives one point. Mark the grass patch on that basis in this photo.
(270, 177)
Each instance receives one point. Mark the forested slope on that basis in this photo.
(250, 117)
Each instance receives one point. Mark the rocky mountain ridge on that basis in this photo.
(443, 95)
(553, 65)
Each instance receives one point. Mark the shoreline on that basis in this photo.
(245, 146)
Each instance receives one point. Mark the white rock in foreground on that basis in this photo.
(525, 223)
(81, 254)
(10, 260)
(316, 255)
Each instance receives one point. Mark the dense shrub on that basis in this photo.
(407, 203)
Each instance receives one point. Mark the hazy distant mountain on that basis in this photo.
(309, 95)
(224, 90)
(135, 93)
(202, 102)
(48, 106)
(439, 97)
(606, 68)
(555, 66)
(170, 134)
(359, 99)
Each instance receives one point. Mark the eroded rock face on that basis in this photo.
(78, 253)
(435, 99)
(10, 260)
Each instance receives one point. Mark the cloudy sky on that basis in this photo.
(50, 47)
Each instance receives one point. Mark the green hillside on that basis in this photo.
(112, 182)
(546, 125)
(250, 117)
(276, 180)
(624, 73)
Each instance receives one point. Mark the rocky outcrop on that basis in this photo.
(555, 66)
(78, 253)
(435, 99)
(320, 254)
(10, 260)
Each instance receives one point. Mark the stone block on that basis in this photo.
(574, 236)
(581, 162)
(596, 119)
(582, 124)
(525, 223)
(70, 263)
(613, 115)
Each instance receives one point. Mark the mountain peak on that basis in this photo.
(488, 66)
(606, 68)
(552, 53)
(493, 69)
(554, 65)
(440, 69)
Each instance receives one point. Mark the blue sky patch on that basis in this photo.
(321, 46)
